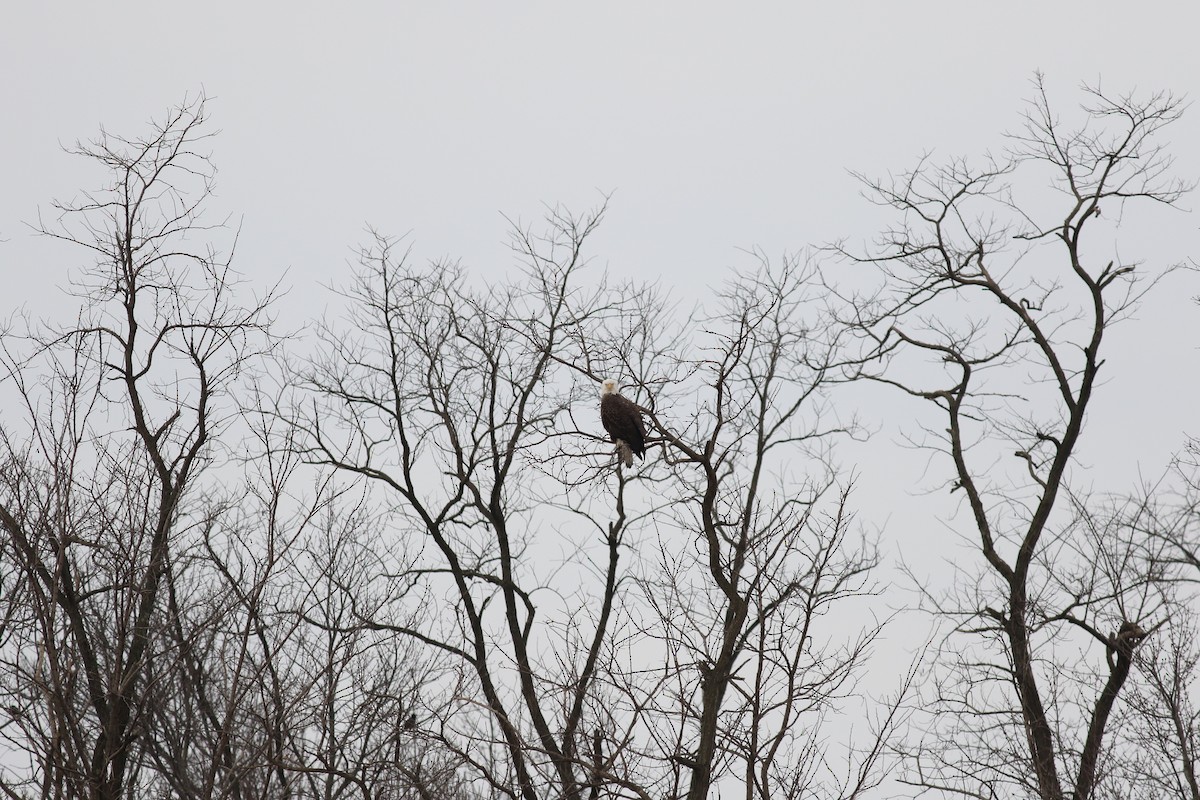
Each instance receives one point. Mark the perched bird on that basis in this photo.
(623, 421)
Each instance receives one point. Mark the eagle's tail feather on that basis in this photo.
(624, 453)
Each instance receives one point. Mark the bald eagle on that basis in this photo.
(623, 421)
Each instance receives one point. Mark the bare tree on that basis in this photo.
(443, 398)
(1016, 712)
(757, 546)
(474, 410)
(122, 410)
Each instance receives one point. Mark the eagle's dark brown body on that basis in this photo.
(623, 421)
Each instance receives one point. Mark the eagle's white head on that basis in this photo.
(608, 387)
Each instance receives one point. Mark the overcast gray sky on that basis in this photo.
(717, 127)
